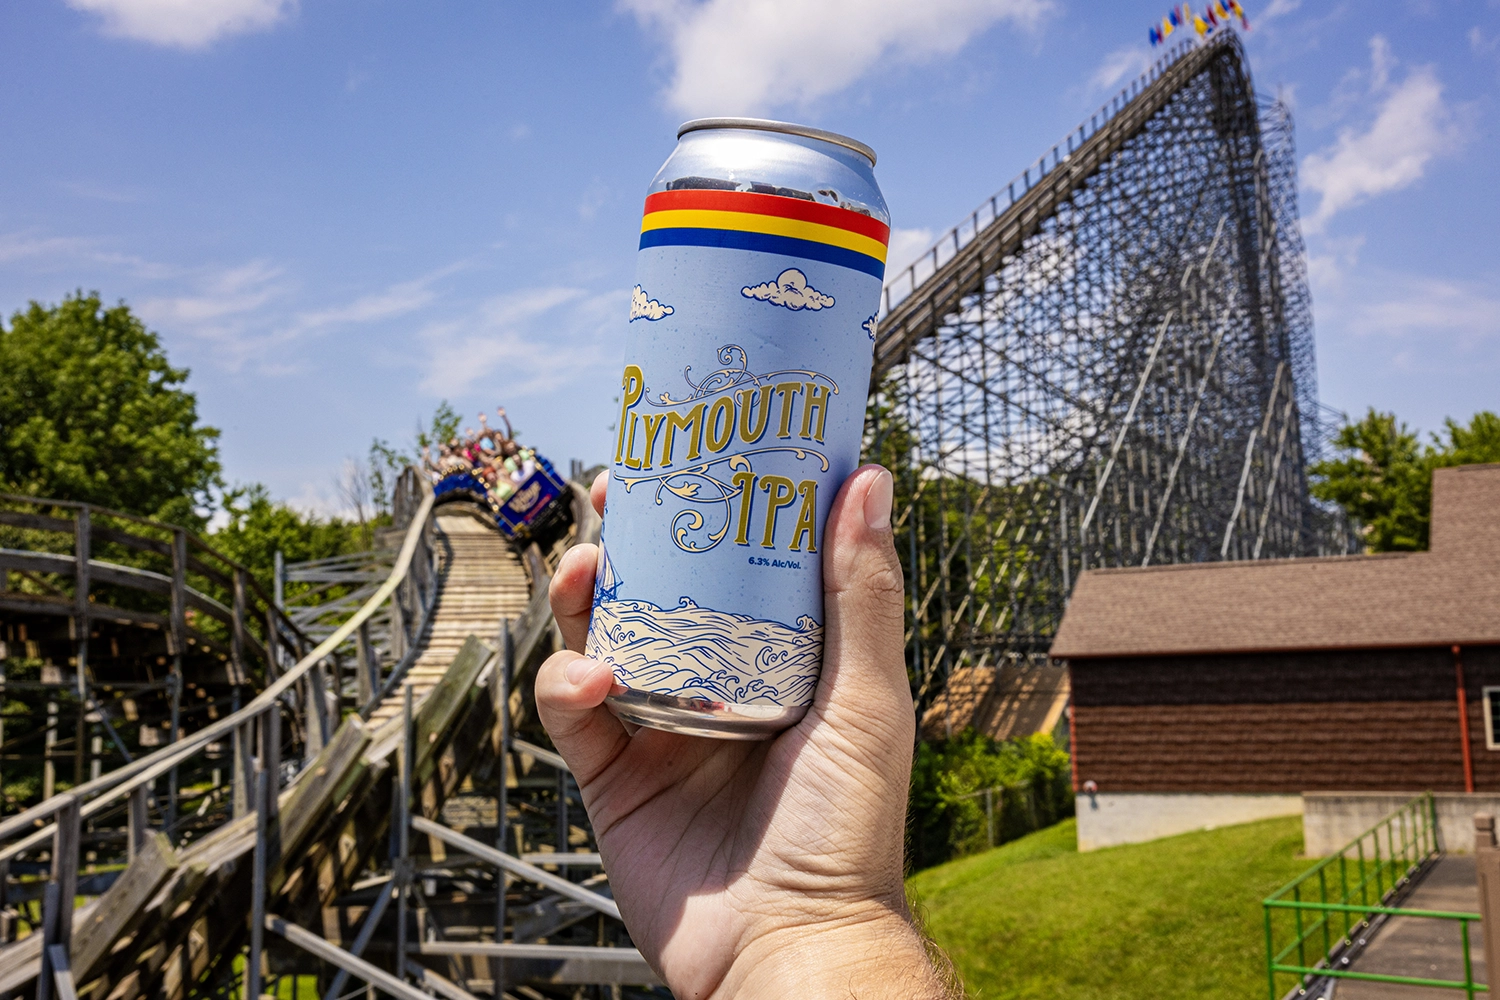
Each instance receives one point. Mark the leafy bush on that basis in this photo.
(946, 814)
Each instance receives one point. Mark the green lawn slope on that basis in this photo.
(1179, 917)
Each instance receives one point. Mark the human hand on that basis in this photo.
(762, 868)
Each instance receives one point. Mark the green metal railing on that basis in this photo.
(1317, 923)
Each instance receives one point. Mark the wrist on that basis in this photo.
(870, 954)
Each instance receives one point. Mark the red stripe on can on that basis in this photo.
(769, 204)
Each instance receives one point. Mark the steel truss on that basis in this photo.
(1117, 370)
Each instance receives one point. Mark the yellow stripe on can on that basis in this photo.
(748, 222)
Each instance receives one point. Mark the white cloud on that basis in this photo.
(244, 311)
(748, 56)
(1425, 310)
(1412, 126)
(791, 291)
(906, 245)
(397, 300)
(1132, 60)
(222, 307)
(515, 340)
(30, 246)
(185, 24)
(644, 307)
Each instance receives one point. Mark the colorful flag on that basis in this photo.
(1200, 27)
(1151, 34)
(1166, 28)
(1219, 7)
(1209, 13)
(1172, 17)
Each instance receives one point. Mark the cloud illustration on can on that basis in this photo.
(644, 307)
(869, 327)
(790, 290)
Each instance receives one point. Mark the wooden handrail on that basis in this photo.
(110, 787)
(192, 538)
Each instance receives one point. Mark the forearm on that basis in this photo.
(871, 958)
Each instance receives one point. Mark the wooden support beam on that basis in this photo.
(113, 916)
(138, 830)
(62, 974)
(516, 866)
(311, 943)
(238, 634)
(579, 964)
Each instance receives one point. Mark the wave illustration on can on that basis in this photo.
(742, 405)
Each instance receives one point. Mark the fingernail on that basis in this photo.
(578, 671)
(878, 501)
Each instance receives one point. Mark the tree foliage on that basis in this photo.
(257, 527)
(1383, 479)
(91, 411)
(946, 813)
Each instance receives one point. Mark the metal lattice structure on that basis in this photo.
(1110, 364)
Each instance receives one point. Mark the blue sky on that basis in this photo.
(339, 212)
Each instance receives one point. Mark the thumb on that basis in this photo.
(864, 665)
(570, 693)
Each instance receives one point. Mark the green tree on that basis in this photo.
(1030, 776)
(1383, 479)
(257, 527)
(1476, 444)
(91, 411)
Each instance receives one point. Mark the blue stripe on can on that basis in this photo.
(787, 246)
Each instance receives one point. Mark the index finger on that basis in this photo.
(597, 490)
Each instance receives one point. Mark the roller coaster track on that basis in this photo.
(1109, 363)
(321, 856)
(919, 297)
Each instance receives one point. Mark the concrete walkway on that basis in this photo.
(1414, 946)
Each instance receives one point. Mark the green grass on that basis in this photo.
(1179, 917)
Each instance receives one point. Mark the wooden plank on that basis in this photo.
(179, 586)
(62, 973)
(542, 754)
(19, 963)
(438, 984)
(36, 522)
(443, 701)
(516, 866)
(118, 908)
(37, 562)
(310, 802)
(36, 604)
(127, 576)
(310, 942)
(579, 964)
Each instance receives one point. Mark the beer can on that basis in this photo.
(741, 412)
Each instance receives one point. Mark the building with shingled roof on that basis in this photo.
(1215, 693)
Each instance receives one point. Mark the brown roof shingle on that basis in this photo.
(1450, 594)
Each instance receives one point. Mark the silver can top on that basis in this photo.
(766, 125)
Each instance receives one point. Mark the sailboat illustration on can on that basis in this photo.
(606, 580)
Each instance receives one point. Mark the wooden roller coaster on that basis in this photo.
(391, 813)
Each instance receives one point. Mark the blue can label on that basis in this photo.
(742, 405)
